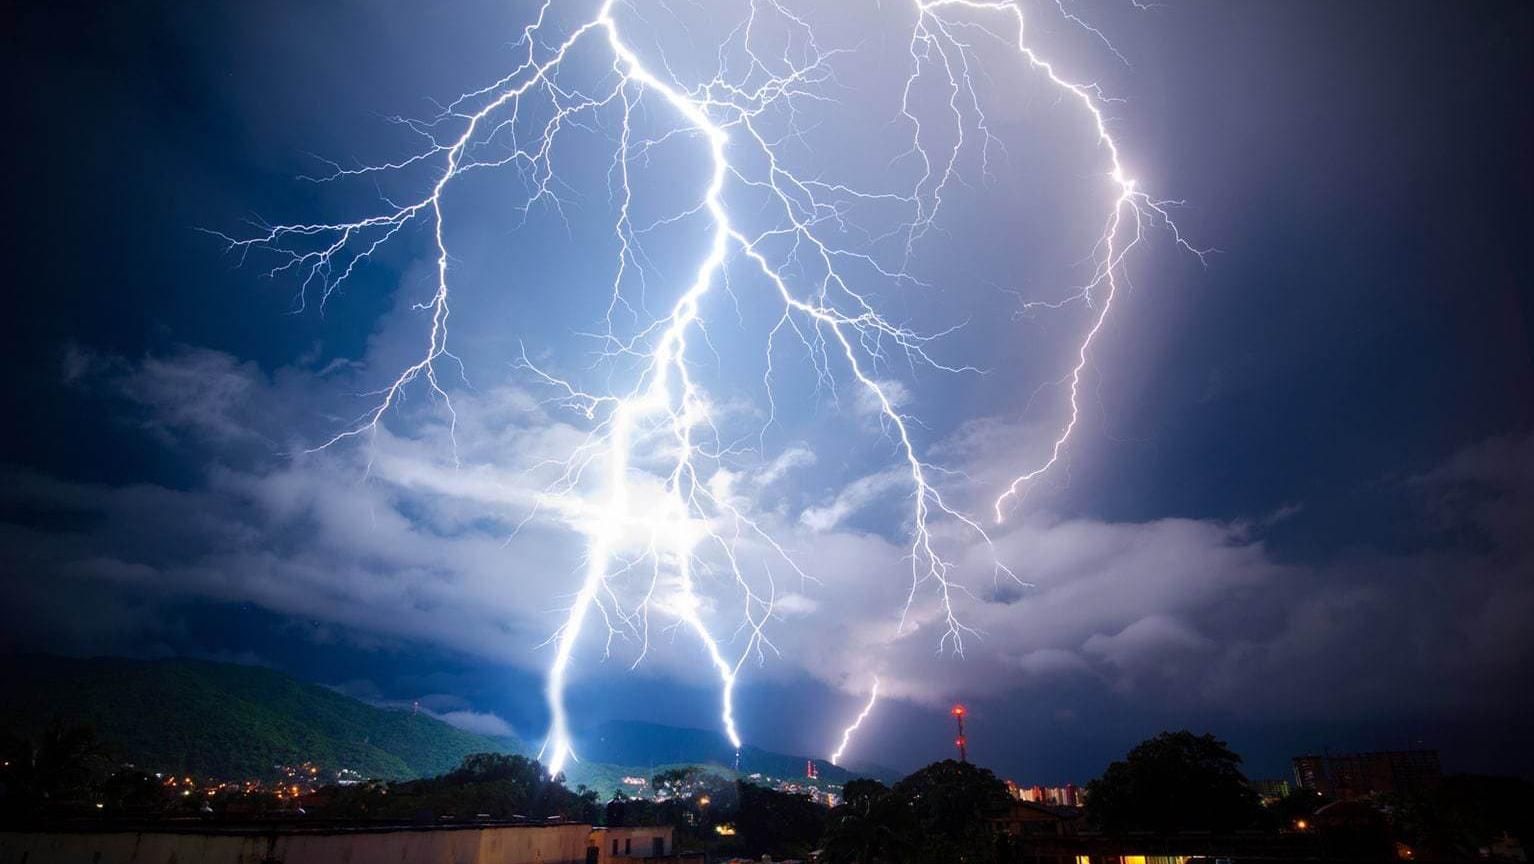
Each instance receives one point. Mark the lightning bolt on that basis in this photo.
(1127, 217)
(641, 487)
(873, 696)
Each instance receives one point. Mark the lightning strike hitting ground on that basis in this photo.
(640, 488)
(873, 696)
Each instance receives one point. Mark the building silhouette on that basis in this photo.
(1357, 775)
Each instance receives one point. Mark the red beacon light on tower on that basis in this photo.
(958, 712)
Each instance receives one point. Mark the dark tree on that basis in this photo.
(131, 792)
(1173, 782)
(777, 823)
(1300, 804)
(871, 826)
(55, 772)
(625, 811)
(1462, 814)
(952, 805)
(500, 785)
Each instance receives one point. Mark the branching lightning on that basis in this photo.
(873, 696)
(638, 489)
(1132, 209)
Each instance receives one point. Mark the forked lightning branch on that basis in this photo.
(644, 549)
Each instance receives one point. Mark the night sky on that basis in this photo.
(1297, 512)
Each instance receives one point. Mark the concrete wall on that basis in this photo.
(519, 844)
(631, 842)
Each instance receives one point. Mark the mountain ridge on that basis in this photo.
(234, 721)
(225, 720)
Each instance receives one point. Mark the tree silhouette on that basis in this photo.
(952, 804)
(778, 823)
(500, 785)
(871, 826)
(54, 772)
(1175, 781)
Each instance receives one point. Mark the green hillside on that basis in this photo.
(227, 721)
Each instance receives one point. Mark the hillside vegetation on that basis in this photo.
(228, 721)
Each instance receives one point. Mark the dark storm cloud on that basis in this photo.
(1170, 615)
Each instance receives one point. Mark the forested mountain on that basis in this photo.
(225, 720)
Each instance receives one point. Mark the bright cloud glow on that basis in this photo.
(650, 487)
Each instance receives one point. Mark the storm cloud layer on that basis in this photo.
(396, 543)
(1297, 512)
